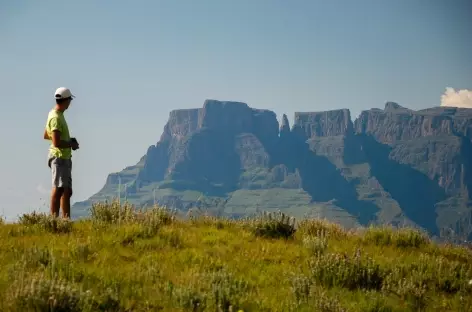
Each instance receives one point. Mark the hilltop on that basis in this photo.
(126, 260)
(392, 166)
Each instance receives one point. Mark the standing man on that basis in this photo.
(60, 153)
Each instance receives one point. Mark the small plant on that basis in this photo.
(217, 222)
(320, 227)
(444, 276)
(273, 225)
(316, 244)
(80, 252)
(32, 218)
(46, 222)
(122, 213)
(375, 302)
(57, 225)
(301, 288)
(228, 291)
(326, 303)
(156, 215)
(402, 238)
(172, 238)
(38, 256)
(2, 220)
(39, 293)
(336, 270)
(311, 298)
(113, 212)
(190, 299)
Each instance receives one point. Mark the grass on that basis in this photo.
(124, 259)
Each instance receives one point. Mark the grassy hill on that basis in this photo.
(123, 259)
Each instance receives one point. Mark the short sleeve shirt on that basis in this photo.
(56, 121)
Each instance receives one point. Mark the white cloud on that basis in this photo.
(460, 98)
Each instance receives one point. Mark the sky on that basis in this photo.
(130, 63)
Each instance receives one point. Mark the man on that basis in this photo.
(60, 153)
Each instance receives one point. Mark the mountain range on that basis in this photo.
(393, 166)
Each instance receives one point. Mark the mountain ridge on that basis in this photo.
(372, 169)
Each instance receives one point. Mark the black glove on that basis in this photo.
(74, 142)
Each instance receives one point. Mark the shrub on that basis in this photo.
(308, 296)
(316, 244)
(228, 291)
(113, 212)
(272, 225)
(38, 293)
(439, 274)
(46, 222)
(190, 299)
(336, 270)
(33, 218)
(37, 256)
(117, 213)
(320, 227)
(301, 288)
(41, 293)
(402, 238)
(217, 222)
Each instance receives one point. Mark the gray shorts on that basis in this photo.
(61, 170)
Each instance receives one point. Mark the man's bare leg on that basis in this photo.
(56, 194)
(65, 203)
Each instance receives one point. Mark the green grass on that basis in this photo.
(123, 259)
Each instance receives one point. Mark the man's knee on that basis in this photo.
(67, 192)
(57, 192)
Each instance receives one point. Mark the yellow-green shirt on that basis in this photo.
(56, 121)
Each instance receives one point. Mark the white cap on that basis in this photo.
(63, 93)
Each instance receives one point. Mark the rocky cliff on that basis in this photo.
(392, 166)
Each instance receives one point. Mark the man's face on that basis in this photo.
(67, 103)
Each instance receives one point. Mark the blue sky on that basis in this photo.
(131, 62)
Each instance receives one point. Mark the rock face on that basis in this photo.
(393, 166)
(323, 124)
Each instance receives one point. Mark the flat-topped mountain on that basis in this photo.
(390, 166)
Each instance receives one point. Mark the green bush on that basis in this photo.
(317, 245)
(438, 274)
(351, 272)
(122, 213)
(272, 225)
(46, 222)
(402, 238)
(322, 228)
(39, 293)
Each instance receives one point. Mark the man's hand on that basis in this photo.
(74, 144)
(57, 142)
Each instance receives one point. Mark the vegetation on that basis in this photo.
(124, 259)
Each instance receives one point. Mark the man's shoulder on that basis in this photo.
(53, 114)
(54, 121)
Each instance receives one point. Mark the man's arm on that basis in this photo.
(56, 140)
(45, 135)
(55, 128)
